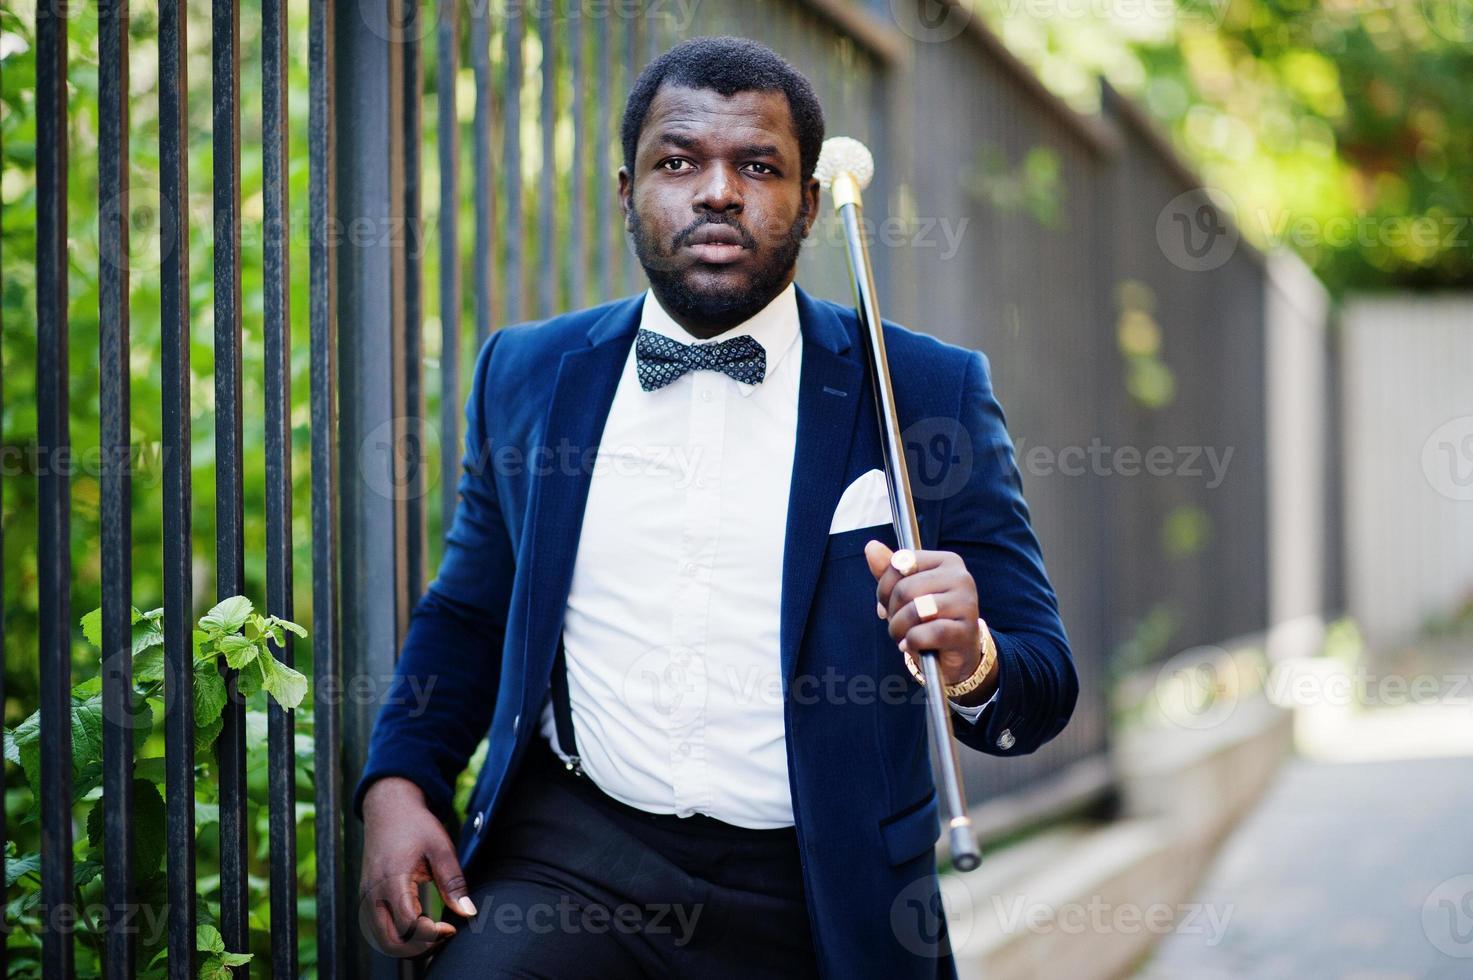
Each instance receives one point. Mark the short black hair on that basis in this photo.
(727, 65)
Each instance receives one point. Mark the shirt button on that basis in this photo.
(690, 568)
(476, 824)
(685, 748)
(705, 396)
(700, 481)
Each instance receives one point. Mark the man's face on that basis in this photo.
(716, 205)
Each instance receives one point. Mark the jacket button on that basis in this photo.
(1006, 740)
(476, 824)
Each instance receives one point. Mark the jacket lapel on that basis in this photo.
(583, 391)
(829, 390)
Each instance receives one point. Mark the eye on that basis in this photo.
(663, 163)
(764, 166)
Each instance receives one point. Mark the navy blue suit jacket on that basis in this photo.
(865, 807)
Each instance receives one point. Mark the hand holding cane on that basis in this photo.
(845, 168)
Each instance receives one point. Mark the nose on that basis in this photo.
(719, 190)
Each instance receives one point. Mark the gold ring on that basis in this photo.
(903, 561)
(926, 607)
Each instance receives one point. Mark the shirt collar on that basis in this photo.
(775, 327)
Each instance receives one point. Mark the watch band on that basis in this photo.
(988, 651)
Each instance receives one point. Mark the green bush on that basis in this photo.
(233, 633)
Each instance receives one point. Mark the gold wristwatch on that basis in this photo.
(988, 650)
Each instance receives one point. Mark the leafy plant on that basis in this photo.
(232, 631)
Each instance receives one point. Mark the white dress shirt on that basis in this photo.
(672, 623)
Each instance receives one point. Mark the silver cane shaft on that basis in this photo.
(964, 853)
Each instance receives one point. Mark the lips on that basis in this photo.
(716, 244)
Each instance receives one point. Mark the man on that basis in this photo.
(670, 597)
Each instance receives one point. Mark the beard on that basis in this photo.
(719, 307)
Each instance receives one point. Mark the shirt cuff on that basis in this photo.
(971, 712)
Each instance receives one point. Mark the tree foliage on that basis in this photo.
(1341, 129)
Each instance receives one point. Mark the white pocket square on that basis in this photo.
(864, 503)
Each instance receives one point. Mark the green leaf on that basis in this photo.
(227, 616)
(286, 685)
(145, 627)
(16, 867)
(86, 723)
(205, 735)
(214, 968)
(209, 693)
(296, 628)
(92, 627)
(162, 956)
(148, 664)
(236, 959)
(148, 829)
(147, 634)
(151, 769)
(207, 939)
(19, 906)
(251, 679)
(85, 870)
(238, 650)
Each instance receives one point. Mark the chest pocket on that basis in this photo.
(852, 542)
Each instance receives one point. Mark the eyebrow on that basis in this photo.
(691, 143)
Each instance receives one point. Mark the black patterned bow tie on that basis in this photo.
(660, 359)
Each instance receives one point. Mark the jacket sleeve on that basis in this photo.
(986, 522)
(443, 693)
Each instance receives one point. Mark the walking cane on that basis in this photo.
(845, 168)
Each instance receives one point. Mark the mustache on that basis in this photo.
(684, 236)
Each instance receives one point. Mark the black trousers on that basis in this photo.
(571, 883)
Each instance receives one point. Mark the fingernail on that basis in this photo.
(467, 906)
(880, 609)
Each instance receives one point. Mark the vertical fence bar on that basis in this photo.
(628, 267)
(447, 53)
(370, 194)
(413, 258)
(511, 156)
(578, 222)
(229, 477)
(276, 328)
(485, 257)
(332, 908)
(4, 861)
(178, 558)
(53, 490)
(605, 214)
(651, 22)
(116, 482)
(547, 263)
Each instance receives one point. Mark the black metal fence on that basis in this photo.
(1004, 220)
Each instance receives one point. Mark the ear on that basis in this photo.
(626, 194)
(813, 193)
